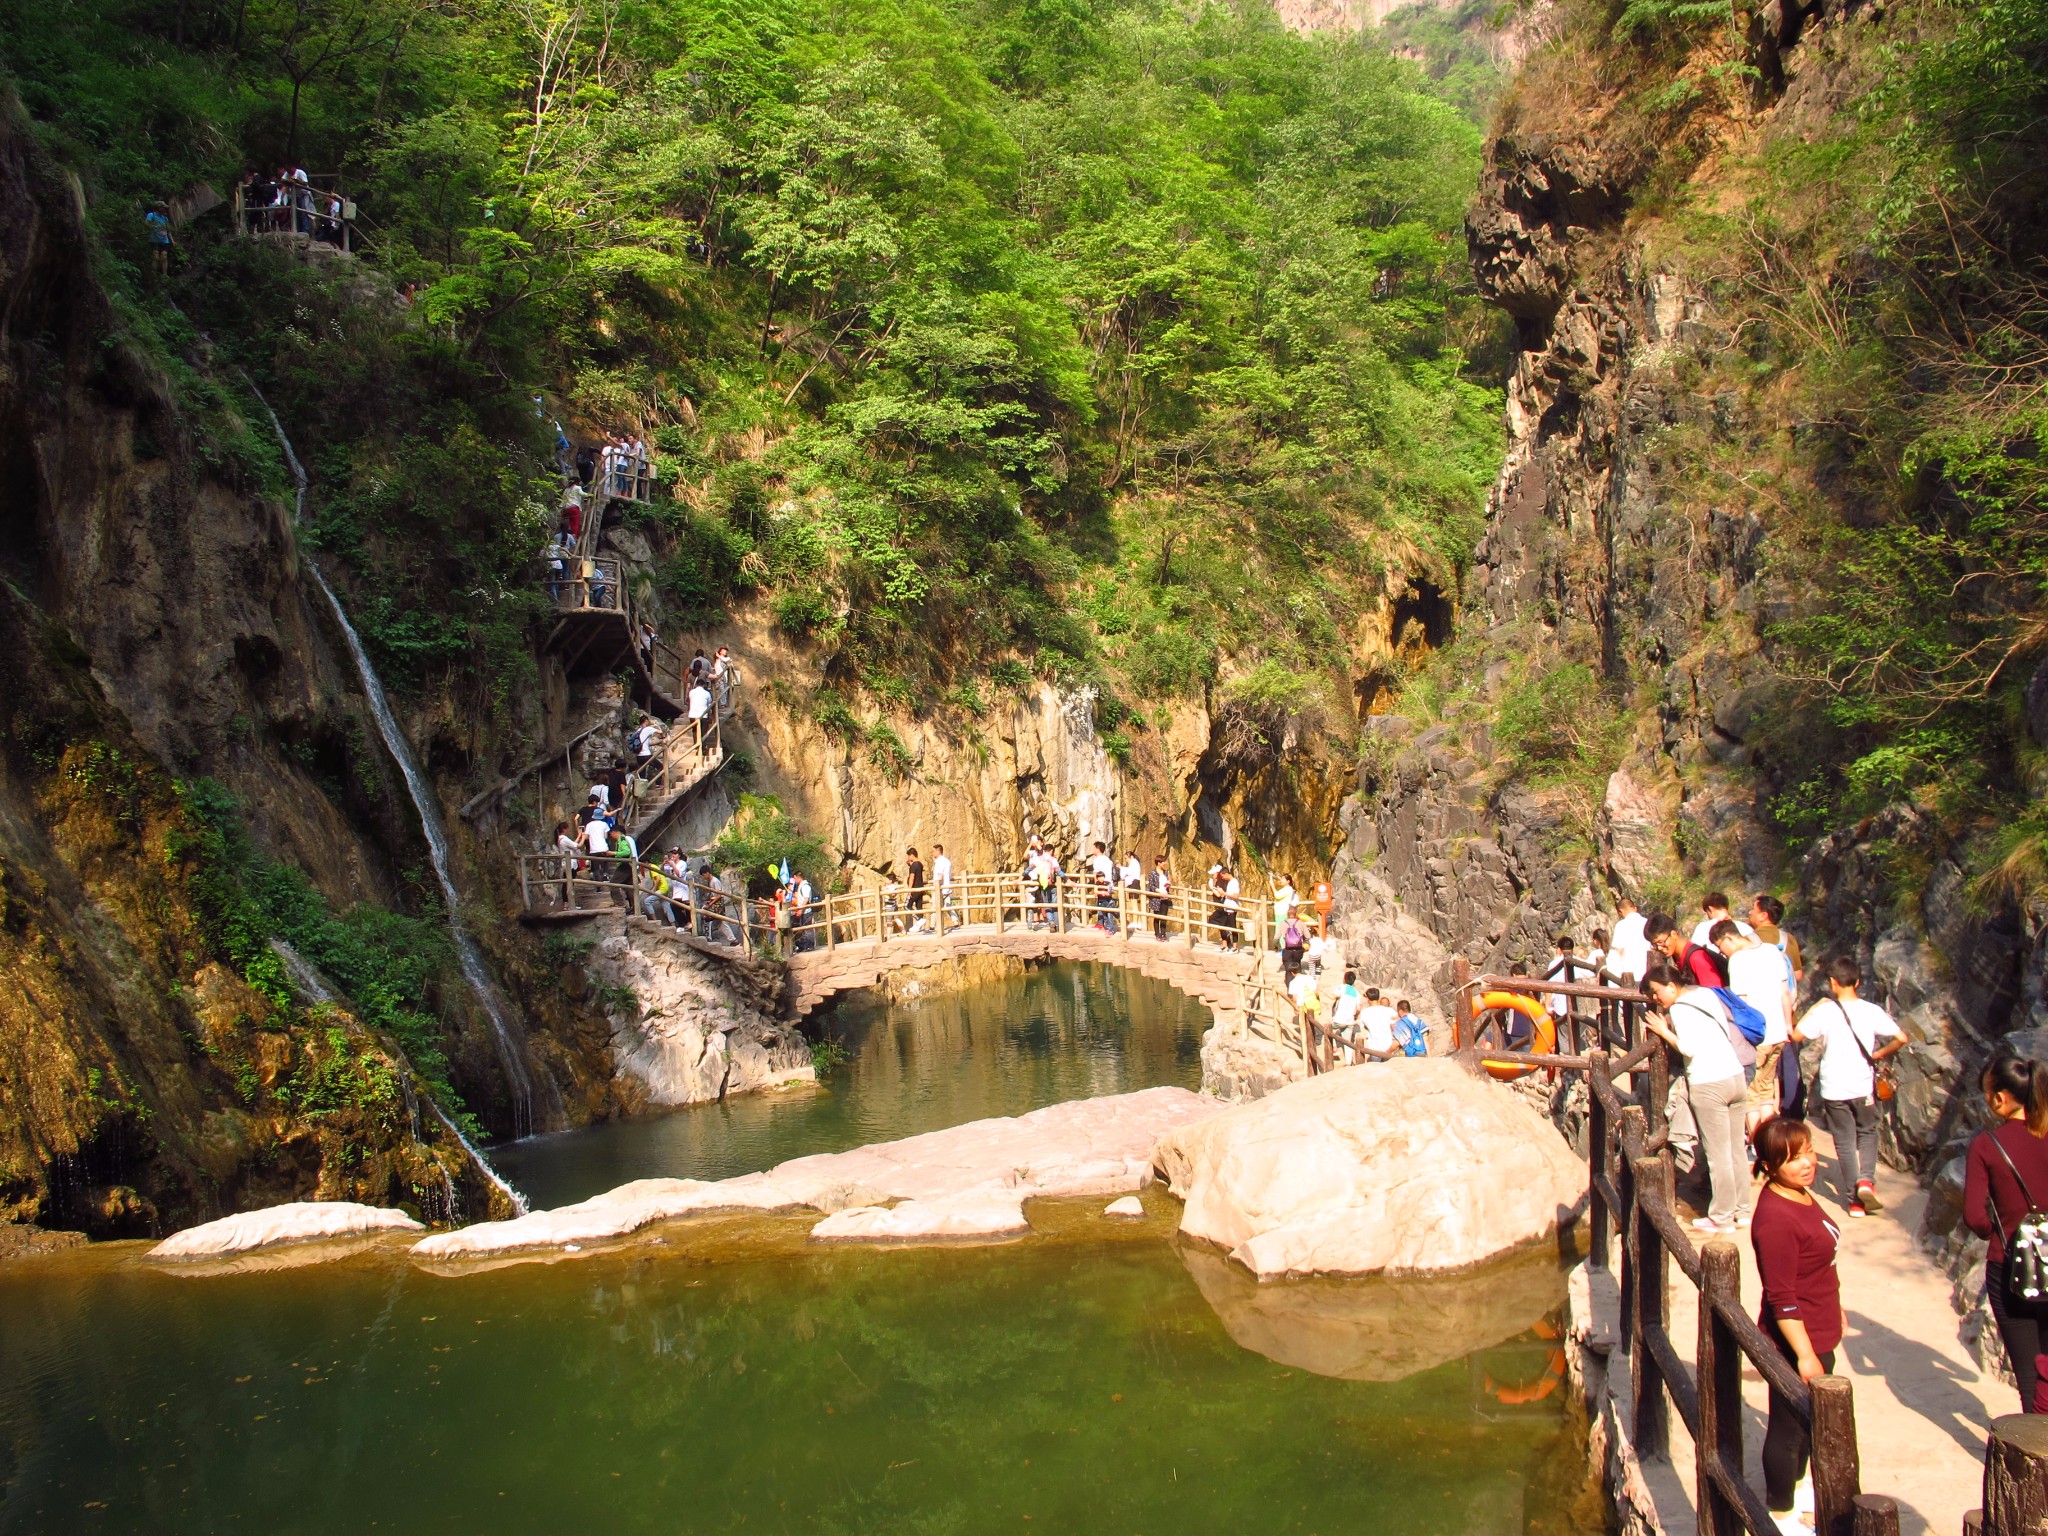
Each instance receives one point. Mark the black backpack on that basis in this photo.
(2026, 1247)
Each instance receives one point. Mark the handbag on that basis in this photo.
(1883, 1083)
(2026, 1251)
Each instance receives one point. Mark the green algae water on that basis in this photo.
(1063, 1031)
(730, 1375)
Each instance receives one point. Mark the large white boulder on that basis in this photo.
(302, 1221)
(1408, 1166)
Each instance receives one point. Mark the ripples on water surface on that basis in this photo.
(731, 1376)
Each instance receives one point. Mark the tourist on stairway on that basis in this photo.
(2004, 1179)
(567, 847)
(1410, 1033)
(1691, 1018)
(1802, 1303)
(1376, 1023)
(1284, 898)
(700, 713)
(1344, 1015)
(1848, 1078)
(1292, 942)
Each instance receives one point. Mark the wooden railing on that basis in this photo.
(587, 584)
(1630, 1186)
(690, 752)
(313, 210)
(624, 476)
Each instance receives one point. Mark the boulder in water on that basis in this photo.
(987, 1210)
(1129, 1205)
(302, 1221)
(1402, 1167)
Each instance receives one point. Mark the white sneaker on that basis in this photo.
(1802, 1499)
(1708, 1224)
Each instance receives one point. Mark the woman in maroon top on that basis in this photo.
(1802, 1311)
(2008, 1163)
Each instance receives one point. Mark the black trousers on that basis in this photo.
(1787, 1440)
(2020, 1335)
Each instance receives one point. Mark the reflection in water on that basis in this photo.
(1064, 1031)
(1092, 1377)
(1079, 1377)
(1379, 1329)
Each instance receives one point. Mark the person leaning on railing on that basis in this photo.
(1693, 1020)
(1802, 1302)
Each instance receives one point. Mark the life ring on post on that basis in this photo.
(1543, 1029)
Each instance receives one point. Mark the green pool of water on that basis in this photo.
(1062, 1031)
(729, 1375)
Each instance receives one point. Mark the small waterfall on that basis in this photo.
(470, 957)
(313, 988)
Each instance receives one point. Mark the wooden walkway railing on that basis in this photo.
(1630, 1191)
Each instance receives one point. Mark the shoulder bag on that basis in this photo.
(2026, 1250)
(1883, 1083)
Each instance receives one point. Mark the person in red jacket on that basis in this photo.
(2005, 1176)
(1704, 967)
(1802, 1307)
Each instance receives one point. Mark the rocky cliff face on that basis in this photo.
(1603, 551)
(153, 628)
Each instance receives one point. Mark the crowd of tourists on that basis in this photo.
(287, 203)
(1732, 996)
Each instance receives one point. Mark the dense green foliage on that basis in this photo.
(1104, 334)
(385, 963)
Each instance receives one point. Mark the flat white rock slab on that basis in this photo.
(1129, 1205)
(302, 1221)
(1085, 1147)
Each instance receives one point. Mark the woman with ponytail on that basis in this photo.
(2005, 1176)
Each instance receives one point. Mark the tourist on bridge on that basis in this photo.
(1132, 874)
(1102, 874)
(1160, 884)
(567, 848)
(722, 674)
(942, 875)
(1410, 1033)
(1802, 1303)
(1691, 1018)
(1850, 1029)
(803, 916)
(1231, 908)
(700, 712)
(2006, 1165)
(913, 869)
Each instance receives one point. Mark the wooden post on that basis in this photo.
(1659, 1105)
(1718, 1371)
(1597, 1162)
(1123, 907)
(1625, 1174)
(1876, 1515)
(525, 886)
(1836, 1472)
(1649, 1413)
(1461, 978)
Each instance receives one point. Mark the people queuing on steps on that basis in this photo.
(1376, 1023)
(2005, 1177)
(1795, 1244)
(1856, 1036)
(1411, 1034)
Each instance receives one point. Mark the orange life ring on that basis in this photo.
(1519, 1394)
(1543, 1041)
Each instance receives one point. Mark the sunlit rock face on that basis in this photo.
(1402, 1167)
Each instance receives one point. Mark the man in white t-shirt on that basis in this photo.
(1344, 1013)
(1851, 1029)
(700, 710)
(942, 874)
(1628, 952)
(1716, 908)
(1376, 1022)
(1759, 974)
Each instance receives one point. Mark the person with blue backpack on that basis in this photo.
(1410, 1033)
(1693, 1019)
(1760, 977)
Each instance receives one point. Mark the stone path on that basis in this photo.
(1922, 1403)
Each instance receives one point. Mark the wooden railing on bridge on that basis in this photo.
(556, 886)
(1630, 1187)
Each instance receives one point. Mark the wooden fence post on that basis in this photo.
(1630, 1130)
(1597, 1160)
(1461, 978)
(2015, 1475)
(1649, 1412)
(1718, 1371)
(1876, 1515)
(1836, 1472)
